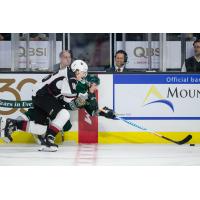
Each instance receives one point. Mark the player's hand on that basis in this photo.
(80, 102)
(107, 112)
(83, 95)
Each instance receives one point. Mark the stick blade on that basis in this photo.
(185, 140)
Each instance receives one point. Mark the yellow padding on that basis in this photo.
(113, 137)
(71, 136)
(24, 137)
(143, 137)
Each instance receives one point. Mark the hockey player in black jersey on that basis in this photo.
(48, 115)
(58, 93)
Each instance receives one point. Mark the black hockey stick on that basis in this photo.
(185, 140)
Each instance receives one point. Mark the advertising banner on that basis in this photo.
(157, 96)
(39, 54)
(138, 53)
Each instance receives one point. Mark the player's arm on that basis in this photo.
(93, 110)
(73, 98)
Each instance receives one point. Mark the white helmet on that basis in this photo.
(79, 65)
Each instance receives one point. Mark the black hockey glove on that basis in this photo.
(108, 113)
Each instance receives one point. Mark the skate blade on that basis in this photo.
(6, 140)
(48, 149)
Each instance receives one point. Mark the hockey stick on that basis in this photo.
(185, 140)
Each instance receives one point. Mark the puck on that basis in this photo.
(192, 144)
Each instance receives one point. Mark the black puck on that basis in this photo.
(192, 144)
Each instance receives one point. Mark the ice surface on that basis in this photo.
(101, 154)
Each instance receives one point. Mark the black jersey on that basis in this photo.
(59, 83)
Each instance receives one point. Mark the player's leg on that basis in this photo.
(40, 116)
(38, 124)
(58, 115)
(8, 126)
(54, 127)
(34, 121)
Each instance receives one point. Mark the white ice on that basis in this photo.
(101, 154)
